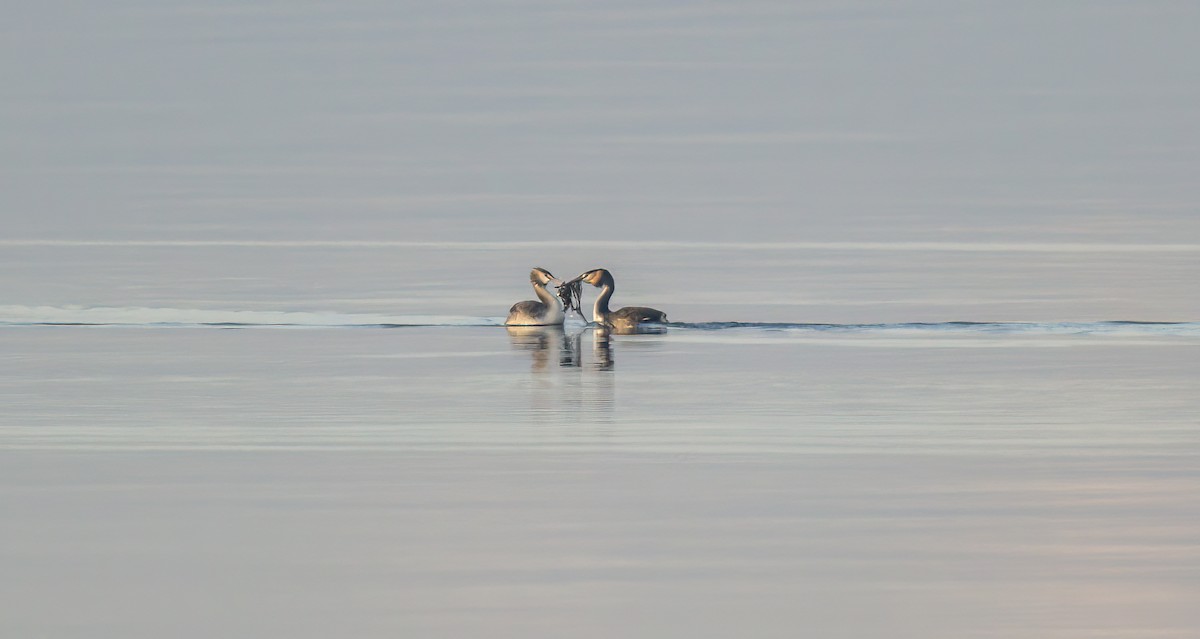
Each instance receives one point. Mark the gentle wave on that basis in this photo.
(897, 246)
(176, 317)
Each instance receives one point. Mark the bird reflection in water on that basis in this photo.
(602, 349)
(587, 387)
(546, 342)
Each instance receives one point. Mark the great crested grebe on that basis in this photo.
(621, 319)
(538, 313)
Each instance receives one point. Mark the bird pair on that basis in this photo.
(550, 309)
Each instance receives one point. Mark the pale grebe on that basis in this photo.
(534, 313)
(621, 319)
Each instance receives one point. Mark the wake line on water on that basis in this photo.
(1117, 327)
(18, 316)
(200, 318)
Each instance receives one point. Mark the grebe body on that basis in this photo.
(622, 319)
(546, 310)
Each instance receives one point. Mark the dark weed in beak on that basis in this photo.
(571, 294)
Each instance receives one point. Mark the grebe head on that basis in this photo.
(595, 277)
(541, 277)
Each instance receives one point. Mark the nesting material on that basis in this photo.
(571, 294)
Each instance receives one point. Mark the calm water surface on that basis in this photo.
(453, 480)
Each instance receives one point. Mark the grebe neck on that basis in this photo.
(600, 309)
(554, 305)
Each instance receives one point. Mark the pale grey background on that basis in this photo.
(349, 163)
(749, 120)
